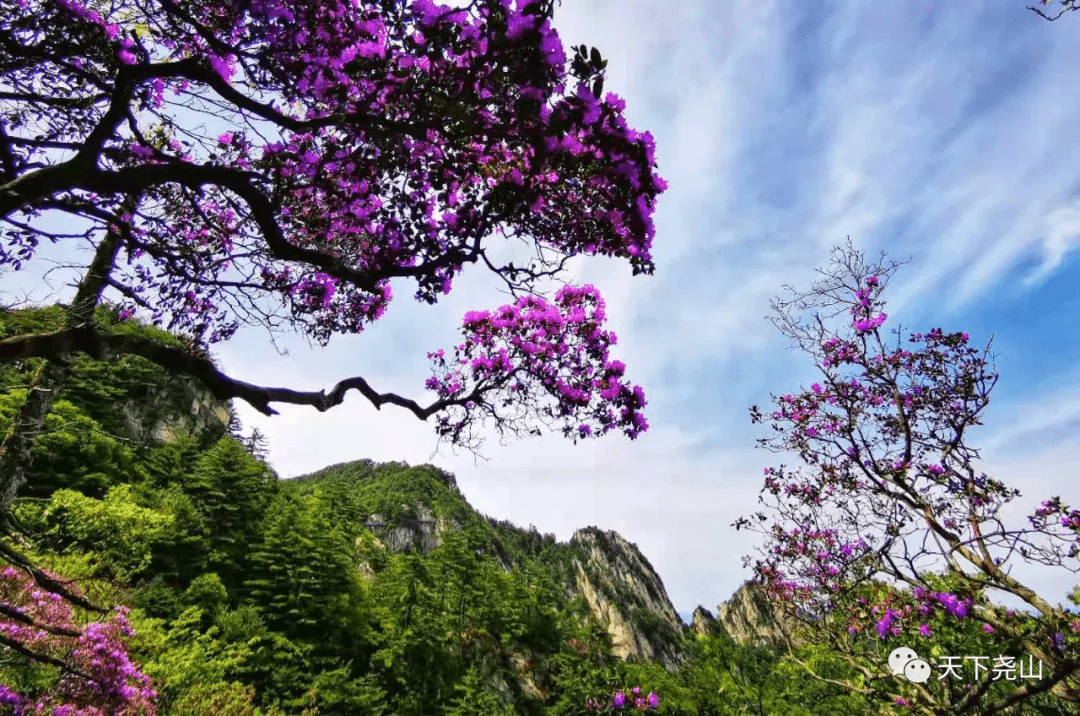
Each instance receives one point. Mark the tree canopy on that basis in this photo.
(278, 163)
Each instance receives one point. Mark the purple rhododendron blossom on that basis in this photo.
(552, 351)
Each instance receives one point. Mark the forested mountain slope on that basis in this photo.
(412, 509)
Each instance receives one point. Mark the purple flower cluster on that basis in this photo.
(623, 699)
(953, 605)
(885, 626)
(1054, 513)
(551, 356)
(111, 32)
(104, 682)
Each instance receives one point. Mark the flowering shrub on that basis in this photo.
(625, 699)
(93, 675)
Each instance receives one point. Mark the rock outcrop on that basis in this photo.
(416, 528)
(627, 596)
(748, 617)
(703, 623)
(155, 418)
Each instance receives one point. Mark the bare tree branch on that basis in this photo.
(44, 658)
(105, 346)
(1066, 6)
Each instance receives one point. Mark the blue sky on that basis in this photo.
(946, 133)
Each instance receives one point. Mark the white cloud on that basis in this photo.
(1029, 427)
(1061, 235)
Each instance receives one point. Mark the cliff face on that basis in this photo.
(182, 406)
(627, 596)
(703, 623)
(417, 528)
(747, 617)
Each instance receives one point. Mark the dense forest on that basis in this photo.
(362, 588)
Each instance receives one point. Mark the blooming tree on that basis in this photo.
(888, 536)
(277, 163)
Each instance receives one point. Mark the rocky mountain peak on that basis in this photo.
(627, 596)
(704, 623)
(749, 617)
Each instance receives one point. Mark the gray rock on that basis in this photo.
(704, 623)
(627, 596)
(157, 418)
(750, 618)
